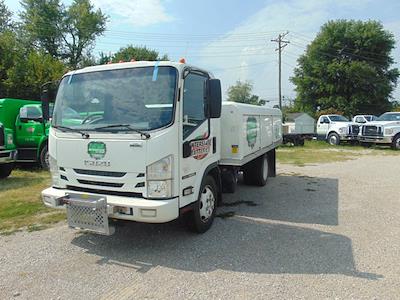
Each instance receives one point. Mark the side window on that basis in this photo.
(193, 103)
(359, 120)
(325, 120)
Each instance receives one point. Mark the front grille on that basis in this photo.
(2, 136)
(104, 192)
(99, 183)
(370, 130)
(355, 129)
(100, 173)
(4, 154)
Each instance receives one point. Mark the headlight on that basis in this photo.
(54, 171)
(343, 130)
(10, 139)
(159, 178)
(388, 131)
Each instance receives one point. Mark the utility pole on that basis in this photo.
(281, 44)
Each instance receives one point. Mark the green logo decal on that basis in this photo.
(97, 150)
(251, 131)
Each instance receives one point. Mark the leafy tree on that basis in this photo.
(5, 17)
(137, 53)
(63, 32)
(347, 68)
(9, 51)
(241, 93)
(30, 71)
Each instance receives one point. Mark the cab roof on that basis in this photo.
(137, 64)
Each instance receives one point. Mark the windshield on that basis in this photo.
(143, 98)
(337, 118)
(389, 117)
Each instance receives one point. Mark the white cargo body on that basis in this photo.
(248, 131)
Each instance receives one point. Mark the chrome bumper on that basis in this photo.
(7, 156)
(376, 139)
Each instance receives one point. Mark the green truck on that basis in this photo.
(23, 136)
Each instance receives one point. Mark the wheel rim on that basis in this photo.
(47, 159)
(265, 169)
(397, 144)
(333, 140)
(207, 203)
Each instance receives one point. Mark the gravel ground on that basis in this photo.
(323, 231)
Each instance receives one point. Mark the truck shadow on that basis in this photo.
(289, 198)
(247, 242)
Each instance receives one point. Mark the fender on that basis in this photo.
(43, 141)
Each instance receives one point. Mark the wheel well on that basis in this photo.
(215, 172)
(396, 136)
(44, 143)
(330, 132)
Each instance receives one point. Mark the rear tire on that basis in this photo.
(44, 157)
(333, 139)
(5, 170)
(396, 142)
(257, 171)
(201, 218)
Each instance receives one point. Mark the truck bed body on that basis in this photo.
(248, 131)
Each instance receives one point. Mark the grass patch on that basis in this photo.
(315, 152)
(20, 202)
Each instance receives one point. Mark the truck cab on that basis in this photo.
(336, 129)
(24, 131)
(384, 130)
(141, 141)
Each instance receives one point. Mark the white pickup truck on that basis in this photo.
(150, 142)
(336, 129)
(385, 130)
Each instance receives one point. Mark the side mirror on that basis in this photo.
(44, 97)
(213, 98)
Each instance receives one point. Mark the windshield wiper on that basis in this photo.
(69, 129)
(126, 126)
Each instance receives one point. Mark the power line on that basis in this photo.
(281, 45)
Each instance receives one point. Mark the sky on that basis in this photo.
(232, 39)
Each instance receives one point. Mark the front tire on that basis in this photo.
(201, 218)
(333, 139)
(396, 142)
(44, 158)
(5, 170)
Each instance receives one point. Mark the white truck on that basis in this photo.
(362, 119)
(385, 130)
(336, 129)
(147, 142)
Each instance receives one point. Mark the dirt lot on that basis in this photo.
(320, 231)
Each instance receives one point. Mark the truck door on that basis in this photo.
(29, 129)
(323, 127)
(197, 133)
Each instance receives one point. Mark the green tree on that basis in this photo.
(67, 33)
(347, 68)
(5, 17)
(137, 53)
(30, 71)
(241, 92)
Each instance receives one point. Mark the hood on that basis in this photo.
(383, 123)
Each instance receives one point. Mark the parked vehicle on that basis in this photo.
(8, 152)
(297, 128)
(336, 129)
(154, 145)
(24, 132)
(385, 130)
(362, 119)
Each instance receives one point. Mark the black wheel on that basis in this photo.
(301, 142)
(256, 172)
(201, 218)
(333, 139)
(366, 145)
(229, 181)
(5, 170)
(396, 142)
(44, 157)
